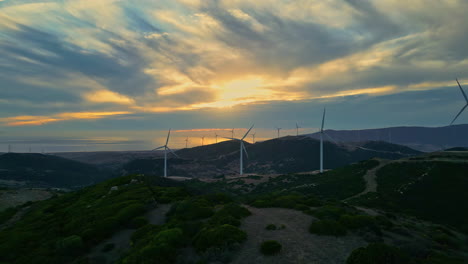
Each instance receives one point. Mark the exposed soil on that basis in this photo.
(299, 246)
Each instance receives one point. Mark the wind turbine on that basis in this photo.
(216, 135)
(232, 133)
(242, 149)
(278, 128)
(466, 105)
(253, 138)
(202, 140)
(297, 129)
(321, 141)
(166, 148)
(186, 142)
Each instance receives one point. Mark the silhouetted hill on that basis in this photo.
(213, 151)
(50, 171)
(421, 138)
(283, 155)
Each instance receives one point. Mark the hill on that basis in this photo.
(48, 171)
(426, 139)
(283, 155)
(108, 159)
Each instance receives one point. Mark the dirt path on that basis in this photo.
(370, 178)
(299, 246)
(121, 239)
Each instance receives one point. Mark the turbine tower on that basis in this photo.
(466, 105)
(186, 142)
(216, 136)
(297, 129)
(202, 140)
(253, 138)
(321, 141)
(232, 133)
(278, 128)
(166, 148)
(242, 149)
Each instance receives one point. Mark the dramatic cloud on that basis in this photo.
(137, 58)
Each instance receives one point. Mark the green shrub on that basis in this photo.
(329, 212)
(327, 228)
(191, 210)
(71, 245)
(138, 222)
(377, 253)
(235, 211)
(219, 236)
(270, 227)
(6, 214)
(384, 222)
(357, 221)
(222, 219)
(270, 247)
(129, 212)
(145, 231)
(108, 247)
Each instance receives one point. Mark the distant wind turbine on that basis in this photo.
(322, 133)
(216, 136)
(242, 149)
(166, 148)
(297, 129)
(253, 138)
(232, 133)
(202, 140)
(186, 142)
(278, 128)
(466, 105)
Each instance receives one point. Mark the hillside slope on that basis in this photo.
(421, 138)
(283, 155)
(48, 171)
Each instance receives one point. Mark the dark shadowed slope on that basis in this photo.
(48, 171)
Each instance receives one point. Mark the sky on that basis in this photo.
(86, 75)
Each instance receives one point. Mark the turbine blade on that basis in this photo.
(459, 113)
(245, 150)
(323, 120)
(247, 132)
(158, 148)
(173, 152)
(168, 135)
(463, 92)
(331, 138)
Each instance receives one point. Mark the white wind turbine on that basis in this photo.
(202, 140)
(466, 105)
(166, 148)
(242, 149)
(186, 142)
(232, 133)
(297, 129)
(216, 136)
(321, 141)
(253, 137)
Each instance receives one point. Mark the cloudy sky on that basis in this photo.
(108, 74)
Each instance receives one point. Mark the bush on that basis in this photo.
(357, 221)
(377, 253)
(270, 227)
(191, 210)
(108, 247)
(145, 231)
(235, 211)
(327, 228)
(219, 236)
(270, 247)
(129, 212)
(138, 222)
(71, 245)
(329, 212)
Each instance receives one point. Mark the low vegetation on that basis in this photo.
(270, 247)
